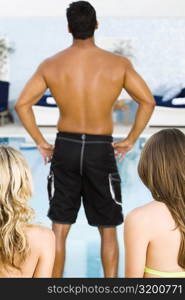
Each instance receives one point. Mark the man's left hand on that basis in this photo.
(122, 148)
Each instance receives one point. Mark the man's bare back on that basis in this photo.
(85, 82)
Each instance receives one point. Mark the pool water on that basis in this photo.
(83, 244)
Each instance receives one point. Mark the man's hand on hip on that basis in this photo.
(47, 151)
(122, 148)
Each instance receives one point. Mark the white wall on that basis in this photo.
(104, 7)
(158, 46)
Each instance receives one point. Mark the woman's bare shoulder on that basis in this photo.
(146, 213)
(39, 234)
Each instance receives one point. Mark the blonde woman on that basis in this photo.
(155, 233)
(25, 250)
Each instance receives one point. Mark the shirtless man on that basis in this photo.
(85, 81)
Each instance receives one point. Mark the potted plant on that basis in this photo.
(5, 50)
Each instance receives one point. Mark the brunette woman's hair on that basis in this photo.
(162, 170)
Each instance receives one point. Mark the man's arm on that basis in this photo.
(139, 91)
(30, 95)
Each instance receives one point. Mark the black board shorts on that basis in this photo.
(83, 169)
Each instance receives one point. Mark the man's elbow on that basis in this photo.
(153, 103)
(19, 107)
(16, 106)
(150, 103)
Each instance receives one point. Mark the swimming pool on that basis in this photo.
(83, 244)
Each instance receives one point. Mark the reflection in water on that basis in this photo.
(93, 261)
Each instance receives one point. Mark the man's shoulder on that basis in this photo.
(52, 61)
(55, 57)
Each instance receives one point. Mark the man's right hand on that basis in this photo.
(47, 151)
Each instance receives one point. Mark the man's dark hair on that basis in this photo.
(81, 17)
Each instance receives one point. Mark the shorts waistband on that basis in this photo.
(84, 136)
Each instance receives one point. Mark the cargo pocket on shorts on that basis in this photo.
(115, 187)
(50, 185)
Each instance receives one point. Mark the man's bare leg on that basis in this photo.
(109, 251)
(61, 231)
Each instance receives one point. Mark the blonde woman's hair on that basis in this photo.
(162, 170)
(15, 214)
